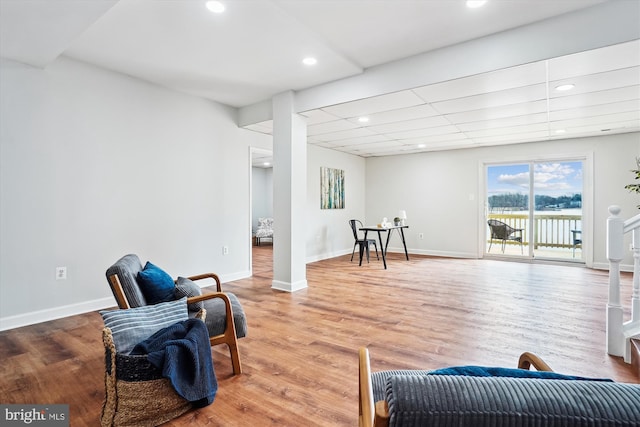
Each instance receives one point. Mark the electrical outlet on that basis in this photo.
(61, 273)
(421, 236)
(225, 250)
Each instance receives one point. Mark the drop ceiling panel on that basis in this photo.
(328, 127)
(499, 112)
(361, 140)
(614, 57)
(427, 122)
(508, 131)
(632, 116)
(596, 110)
(506, 122)
(493, 99)
(601, 129)
(441, 130)
(367, 106)
(433, 139)
(401, 114)
(345, 134)
(598, 82)
(509, 78)
(318, 116)
(540, 135)
(595, 98)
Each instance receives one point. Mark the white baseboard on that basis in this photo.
(233, 276)
(324, 256)
(289, 287)
(33, 317)
(605, 266)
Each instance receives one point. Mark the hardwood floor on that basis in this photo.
(300, 357)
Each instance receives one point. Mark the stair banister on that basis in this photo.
(618, 331)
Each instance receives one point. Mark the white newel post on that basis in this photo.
(615, 253)
(635, 296)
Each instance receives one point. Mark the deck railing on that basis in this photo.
(550, 231)
(619, 332)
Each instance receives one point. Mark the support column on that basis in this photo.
(289, 195)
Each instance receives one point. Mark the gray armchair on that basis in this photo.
(225, 318)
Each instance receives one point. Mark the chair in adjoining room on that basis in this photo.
(504, 232)
(135, 286)
(576, 237)
(265, 230)
(362, 244)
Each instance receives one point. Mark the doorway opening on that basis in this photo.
(261, 191)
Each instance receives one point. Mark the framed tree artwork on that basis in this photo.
(331, 188)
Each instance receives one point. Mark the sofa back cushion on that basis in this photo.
(441, 400)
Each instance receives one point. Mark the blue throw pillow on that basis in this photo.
(157, 286)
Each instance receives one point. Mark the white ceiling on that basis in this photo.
(254, 50)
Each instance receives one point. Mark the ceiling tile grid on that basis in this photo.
(519, 104)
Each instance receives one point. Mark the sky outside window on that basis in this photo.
(551, 178)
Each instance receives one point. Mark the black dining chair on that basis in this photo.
(363, 245)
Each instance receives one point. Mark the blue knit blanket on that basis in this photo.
(183, 353)
(485, 371)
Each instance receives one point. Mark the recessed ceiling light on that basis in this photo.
(363, 119)
(266, 163)
(560, 131)
(421, 145)
(475, 3)
(565, 87)
(215, 6)
(310, 60)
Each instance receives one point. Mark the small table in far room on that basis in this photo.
(383, 248)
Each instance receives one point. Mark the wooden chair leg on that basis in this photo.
(235, 357)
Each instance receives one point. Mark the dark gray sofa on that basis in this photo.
(415, 398)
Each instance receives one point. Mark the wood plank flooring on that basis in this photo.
(300, 357)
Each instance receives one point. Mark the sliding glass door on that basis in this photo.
(534, 210)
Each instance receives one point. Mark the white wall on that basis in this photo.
(262, 195)
(328, 232)
(95, 165)
(436, 190)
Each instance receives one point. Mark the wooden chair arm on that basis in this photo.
(371, 415)
(527, 359)
(211, 295)
(208, 276)
(365, 389)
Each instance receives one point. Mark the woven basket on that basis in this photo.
(136, 394)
